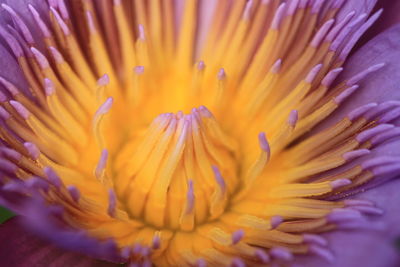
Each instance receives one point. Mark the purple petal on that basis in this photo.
(20, 248)
(46, 221)
(380, 86)
(365, 247)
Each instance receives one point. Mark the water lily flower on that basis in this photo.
(199, 133)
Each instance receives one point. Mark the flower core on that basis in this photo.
(172, 180)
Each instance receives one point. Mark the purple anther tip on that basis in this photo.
(179, 115)
(303, 3)
(358, 202)
(126, 252)
(358, 77)
(337, 4)
(156, 242)
(4, 114)
(49, 87)
(316, 7)
(54, 179)
(336, 29)
(63, 9)
(3, 97)
(74, 193)
(378, 161)
(237, 263)
(147, 263)
(340, 183)
(313, 73)
(137, 248)
(279, 15)
(387, 169)
(247, 10)
(22, 111)
(190, 197)
(145, 251)
(345, 94)
(237, 236)
(367, 134)
(380, 138)
(40, 58)
(390, 116)
(368, 210)
(323, 253)
(10, 153)
(221, 74)
(104, 80)
(105, 107)
(277, 66)
(8, 166)
(142, 35)
(201, 65)
(331, 76)
(320, 35)
(315, 239)
(60, 20)
(262, 256)
(139, 70)
(20, 24)
(262, 139)
(348, 156)
(281, 253)
(358, 112)
(112, 202)
(276, 221)
(201, 263)
(90, 21)
(56, 54)
(343, 215)
(102, 163)
(293, 6)
(205, 111)
(37, 183)
(293, 118)
(219, 178)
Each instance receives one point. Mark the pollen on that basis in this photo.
(179, 135)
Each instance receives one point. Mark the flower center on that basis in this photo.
(181, 173)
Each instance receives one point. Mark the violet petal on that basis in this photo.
(365, 247)
(370, 248)
(380, 86)
(21, 248)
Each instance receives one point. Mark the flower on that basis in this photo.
(166, 134)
